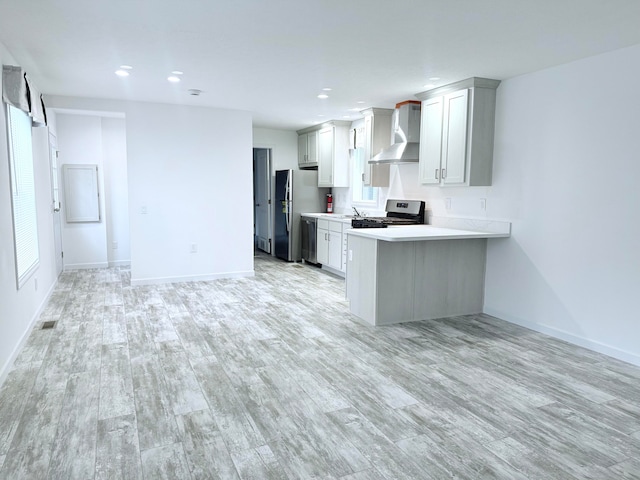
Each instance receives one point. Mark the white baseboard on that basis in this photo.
(84, 266)
(191, 278)
(594, 345)
(120, 263)
(25, 336)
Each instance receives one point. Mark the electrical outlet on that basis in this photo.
(483, 204)
(114, 245)
(143, 210)
(194, 248)
(447, 203)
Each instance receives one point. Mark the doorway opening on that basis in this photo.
(262, 224)
(55, 198)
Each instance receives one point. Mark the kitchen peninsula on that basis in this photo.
(418, 272)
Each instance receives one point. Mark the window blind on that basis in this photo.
(25, 225)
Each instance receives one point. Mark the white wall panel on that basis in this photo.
(190, 170)
(566, 173)
(80, 142)
(116, 186)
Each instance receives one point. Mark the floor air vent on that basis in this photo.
(48, 324)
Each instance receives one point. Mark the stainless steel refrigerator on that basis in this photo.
(297, 192)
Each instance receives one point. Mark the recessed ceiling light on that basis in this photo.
(177, 72)
(320, 115)
(173, 79)
(361, 102)
(434, 79)
(354, 109)
(346, 116)
(122, 73)
(125, 67)
(429, 85)
(327, 89)
(323, 96)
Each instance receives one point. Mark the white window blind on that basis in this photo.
(25, 225)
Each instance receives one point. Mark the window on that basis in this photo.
(25, 225)
(361, 193)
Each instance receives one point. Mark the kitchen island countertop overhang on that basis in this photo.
(412, 233)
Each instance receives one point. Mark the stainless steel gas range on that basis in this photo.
(399, 212)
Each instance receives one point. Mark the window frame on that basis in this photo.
(357, 184)
(23, 194)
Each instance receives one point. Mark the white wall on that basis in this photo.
(114, 152)
(20, 308)
(283, 145)
(566, 172)
(191, 168)
(80, 142)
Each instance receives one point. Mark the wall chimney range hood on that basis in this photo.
(406, 128)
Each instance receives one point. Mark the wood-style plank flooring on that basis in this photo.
(271, 377)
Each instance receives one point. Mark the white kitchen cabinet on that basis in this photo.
(335, 245)
(308, 150)
(431, 140)
(377, 136)
(322, 242)
(331, 251)
(326, 147)
(333, 155)
(456, 133)
(345, 244)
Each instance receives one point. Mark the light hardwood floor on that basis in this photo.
(271, 377)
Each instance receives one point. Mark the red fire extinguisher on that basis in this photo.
(329, 203)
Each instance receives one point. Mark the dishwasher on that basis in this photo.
(309, 240)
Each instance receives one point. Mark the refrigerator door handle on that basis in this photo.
(288, 217)
(287, 201)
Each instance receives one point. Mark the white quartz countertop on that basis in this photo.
(336, 217)
(413, 233)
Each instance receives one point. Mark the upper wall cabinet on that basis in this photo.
(378, 129)
(456, 133)
(332, 140)
(308, 150)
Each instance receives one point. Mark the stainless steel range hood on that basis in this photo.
(406, 127)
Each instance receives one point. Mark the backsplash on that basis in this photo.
(474, 202)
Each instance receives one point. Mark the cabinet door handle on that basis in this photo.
(437, 173)
(444, 173)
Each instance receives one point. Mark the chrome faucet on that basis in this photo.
(355, 210)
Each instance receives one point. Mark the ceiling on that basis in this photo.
(274, 57)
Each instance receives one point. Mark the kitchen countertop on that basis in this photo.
(336, 217)
(413, 233)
